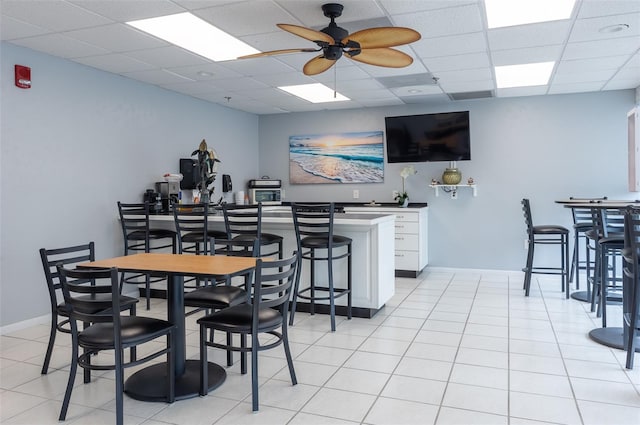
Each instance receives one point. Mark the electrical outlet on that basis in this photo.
(395, 193)
(454, 194)
(356, 194)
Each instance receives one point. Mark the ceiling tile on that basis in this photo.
(464, 75)
(194, 88)
(619, 84)
(629, 73)
(521, 91)
(343, 73)
(453, 45)
(53, 15)
(526, 55)
(440, 22)
(115, 62)
(435, 99)
(593, 64)
(466, 86)
(582, 76)
(258, 66)
(519, 36)
(589, 29)
(277, 40)
(594, 49)
(284, 79)
(372, 103)
(575, 87)
(167, 57)
(61, 46)
(124, 11)
(239, 19)
(356, 85)
(209, 71)
(416, 90)
(156, 76)
(396, 7)
(11, 28)
(310, 14)
(456, 62)
(238, 83)
(592, 8)
(117, 38)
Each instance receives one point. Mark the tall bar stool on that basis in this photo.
(244, 225)
(314, 231)
(138, 237)
(608, 226)
(545, 235)
(631, 283)
(581, 225)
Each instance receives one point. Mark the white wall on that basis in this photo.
(79, 141)
(543, 148)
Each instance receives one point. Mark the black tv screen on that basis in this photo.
(429, 137)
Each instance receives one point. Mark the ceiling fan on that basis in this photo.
(370, 46)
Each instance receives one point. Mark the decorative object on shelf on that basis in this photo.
(207, 160)
(470, 180)
(451, 176)
(403, 197)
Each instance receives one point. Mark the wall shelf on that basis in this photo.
(453, 189)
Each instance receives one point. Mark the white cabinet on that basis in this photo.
(411, 233)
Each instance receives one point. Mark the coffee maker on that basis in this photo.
(154, 199)
(168, 193)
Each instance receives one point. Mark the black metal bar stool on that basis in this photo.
(631, 284)
(545, 235)
(243, 223)
(314, 231)
(138, 237)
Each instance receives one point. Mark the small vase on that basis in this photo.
(451, 176)
(404, 203)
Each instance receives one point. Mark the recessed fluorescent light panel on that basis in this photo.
(528, 74)
(314, 93)
(506, 13)
(192, 33)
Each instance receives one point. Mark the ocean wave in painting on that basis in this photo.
(362, 163)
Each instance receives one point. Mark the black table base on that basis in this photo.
(583, 296)
(611, 337)
(150, 384)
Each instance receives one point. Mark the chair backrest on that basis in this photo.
(135, 218)
(68, 257)
(631, 255)
(83, 302)
(313, 220)
(526, 209)
(273, 283)
(192, 219)
(607, 222)
(243, 220)
(583, 215)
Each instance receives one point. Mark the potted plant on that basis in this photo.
(403, 197)
(207, 159)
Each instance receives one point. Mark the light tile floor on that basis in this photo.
(451, 347)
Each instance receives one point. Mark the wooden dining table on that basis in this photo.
(613, 337)
(149, 384)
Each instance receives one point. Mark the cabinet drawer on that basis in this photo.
(406, 242)
(407, 216)
(407, 227)
(406, 260)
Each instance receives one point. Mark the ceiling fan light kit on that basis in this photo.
(371, 46)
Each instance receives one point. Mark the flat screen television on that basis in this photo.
(428, 137)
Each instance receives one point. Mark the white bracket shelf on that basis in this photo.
(453, 189)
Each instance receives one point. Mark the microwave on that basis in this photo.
(267, 196)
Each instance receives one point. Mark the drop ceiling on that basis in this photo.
(453, 60)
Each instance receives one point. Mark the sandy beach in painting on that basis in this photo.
(297, 174)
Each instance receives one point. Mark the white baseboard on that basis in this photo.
(46, 319)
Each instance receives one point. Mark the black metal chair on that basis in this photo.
(266, 312)
(631, 283)
(108, 330)
(314, 232)
(608, 228)
(545, 235)
(69, 257)
(138, 237)
(244, 224)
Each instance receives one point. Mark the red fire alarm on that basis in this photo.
(23, 76)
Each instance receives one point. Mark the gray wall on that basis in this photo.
(79, 141)
(544, 148)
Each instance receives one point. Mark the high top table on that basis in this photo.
(149, 384)
(610, 336)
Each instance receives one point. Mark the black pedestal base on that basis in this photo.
(611, 337)
(583, 296)
(150, 384)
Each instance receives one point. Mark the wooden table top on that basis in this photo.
(191, 265)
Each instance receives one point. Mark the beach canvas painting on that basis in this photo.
(336, 158)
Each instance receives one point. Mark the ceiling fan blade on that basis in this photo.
(390, 58)
(374, 38)
(307, 33)
(277, 52)
(317, 65)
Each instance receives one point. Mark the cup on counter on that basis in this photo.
(239, 197)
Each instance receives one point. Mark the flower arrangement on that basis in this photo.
(403, 197)
(207, 160)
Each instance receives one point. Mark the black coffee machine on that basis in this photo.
(155, 200)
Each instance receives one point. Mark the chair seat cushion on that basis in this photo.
(139, 235)
(583, 227)
(134, 330)
(197, 236)
(220, 296)
(549, 229)
(320, 242)
(125, 303)
(238, 319)
(265, 238)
